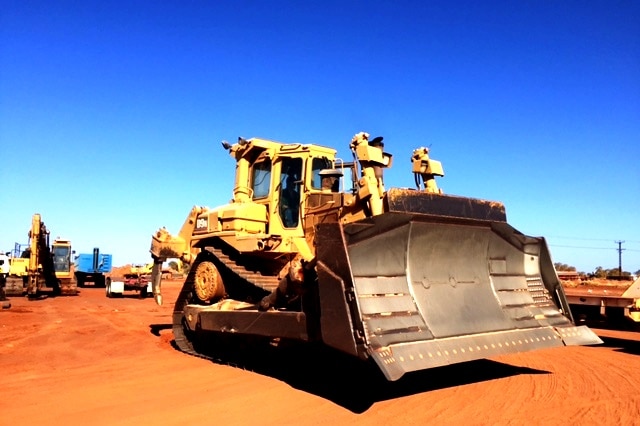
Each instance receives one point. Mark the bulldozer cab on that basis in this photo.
(289, 180)
(319, 188)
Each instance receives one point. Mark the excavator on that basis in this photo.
(42, 269)
(314, 249)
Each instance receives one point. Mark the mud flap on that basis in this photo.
(429, 292)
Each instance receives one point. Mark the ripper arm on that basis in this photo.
(165, 246)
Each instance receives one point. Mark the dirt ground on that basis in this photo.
(88, 359)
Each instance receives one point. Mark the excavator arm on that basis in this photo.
(35, 233)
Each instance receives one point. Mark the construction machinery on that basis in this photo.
(142, 269)
(92, 268)
(167, 271)
(42, 269)
(315, 249)
(138, 279)
(4, 273)
(4, 265)
(130, 282)
(16, 279)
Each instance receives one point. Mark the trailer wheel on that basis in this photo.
(108, 288)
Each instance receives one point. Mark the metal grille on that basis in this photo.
(538, 291)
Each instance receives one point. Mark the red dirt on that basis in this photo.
(92, 360)
(119, 271)
(596, 287)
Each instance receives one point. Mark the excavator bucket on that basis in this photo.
(438, 280)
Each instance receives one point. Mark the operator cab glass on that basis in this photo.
(317, 165)
(324, 176)
(290, 181)
(61, 258)
(261, 179)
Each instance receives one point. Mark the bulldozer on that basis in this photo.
(42, 269)
(315, 249)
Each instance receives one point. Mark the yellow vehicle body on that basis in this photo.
(314, 249)
(42, 269)
(142, 269)
(61, 253)
(145, 270)
(18, 266)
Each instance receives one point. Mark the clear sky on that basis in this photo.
(112, 112)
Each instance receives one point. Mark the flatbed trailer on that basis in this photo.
(613, 302)
(115, 287)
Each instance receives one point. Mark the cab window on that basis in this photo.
(317, 165)
(261, 179)
(61, 258)
(290, 181)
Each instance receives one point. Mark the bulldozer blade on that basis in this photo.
(424, 290)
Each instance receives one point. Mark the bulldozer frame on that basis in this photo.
(411, 278)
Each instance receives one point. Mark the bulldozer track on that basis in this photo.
(179, 336)
(266, 282)
(181, 339)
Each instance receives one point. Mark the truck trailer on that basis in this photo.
(92, 268)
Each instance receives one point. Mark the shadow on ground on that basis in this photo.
(631, 347)
(157, 328)
(343, 379)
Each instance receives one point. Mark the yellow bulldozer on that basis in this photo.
(315, 249)
(42, 269)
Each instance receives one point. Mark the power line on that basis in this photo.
(590, 248)
(577, 238)
(582, 247)
(587, 239)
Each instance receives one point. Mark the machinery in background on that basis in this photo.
(4, 273)
(16, 280)
(140, 283)
(42, 269)
(142, 269)
(138, 278)
(4, 265)
(92, 268)
(168, 270)
(615, 303)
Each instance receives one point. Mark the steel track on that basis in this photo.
(221, 259)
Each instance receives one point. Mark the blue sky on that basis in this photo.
(112, 113)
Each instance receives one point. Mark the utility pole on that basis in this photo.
(619, 258)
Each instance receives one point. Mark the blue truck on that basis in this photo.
(92, 268)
